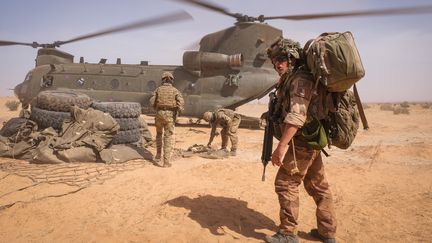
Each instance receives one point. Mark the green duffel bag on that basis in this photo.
(334, 60)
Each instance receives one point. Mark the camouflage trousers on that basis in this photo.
(310, 165)
(231, 133)
(164, 122)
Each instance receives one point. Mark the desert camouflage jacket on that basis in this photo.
(294, 93)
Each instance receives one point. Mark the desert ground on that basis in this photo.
(382, 189)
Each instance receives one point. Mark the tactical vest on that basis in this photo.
(166, 97)
(283, 100)
(316, 109)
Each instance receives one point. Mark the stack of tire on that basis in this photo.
(127, 115)
(52, 107)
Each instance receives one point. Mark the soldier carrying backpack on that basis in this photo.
(297, 160)
(311, 109)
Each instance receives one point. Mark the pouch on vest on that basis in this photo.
(314, 134)
(334, 60)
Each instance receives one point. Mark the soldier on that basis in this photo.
(168, 103)
(297, 104)
(229, 121)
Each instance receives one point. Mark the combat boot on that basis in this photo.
(233, 153)
(281, 238)
(157, 158)
(314, 233)
(167, 164)
(158, 155)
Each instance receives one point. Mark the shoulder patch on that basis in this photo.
(302, 87)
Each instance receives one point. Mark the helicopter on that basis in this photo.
(229, 69)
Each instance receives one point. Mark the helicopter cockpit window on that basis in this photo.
(28, 76)
(47, 81)
(80, 81)
(115, 83)
(151, 86)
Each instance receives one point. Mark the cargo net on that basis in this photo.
(22, 182)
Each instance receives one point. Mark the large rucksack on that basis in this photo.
(342, 123)
(334, 60)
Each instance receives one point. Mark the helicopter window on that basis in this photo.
(80, 81)
(190, 89)
(47, 81)
(28, 76)
(115, 84)
(151, 86)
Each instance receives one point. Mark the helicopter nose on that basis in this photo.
(17, 90)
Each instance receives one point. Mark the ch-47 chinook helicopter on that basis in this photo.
(229, 69)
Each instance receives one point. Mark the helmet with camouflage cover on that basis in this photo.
(284, 48)
(207, 116)
(167, 76)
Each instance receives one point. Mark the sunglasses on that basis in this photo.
(280, 59)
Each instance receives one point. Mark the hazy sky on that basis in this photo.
(396, 51)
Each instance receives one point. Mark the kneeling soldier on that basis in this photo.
(229, 121)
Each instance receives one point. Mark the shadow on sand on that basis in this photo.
(217, 213)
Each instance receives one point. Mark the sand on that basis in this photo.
(382, 189)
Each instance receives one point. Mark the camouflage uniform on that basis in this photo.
(309, 163)
(168, 102)
(229, 121)
(297, 104)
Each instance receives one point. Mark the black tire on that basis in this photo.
(119, 109)
(12, 126)
(128, 136)
(128, 123)
(57, 100)
(45, 118)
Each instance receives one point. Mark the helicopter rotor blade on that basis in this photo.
(210, 6)
(164, 19)
(11, 43)
(379, 12)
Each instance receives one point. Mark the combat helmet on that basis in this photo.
(167, 77)
(284, 48)
(208, 116)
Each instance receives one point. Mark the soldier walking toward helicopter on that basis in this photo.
(168, 102)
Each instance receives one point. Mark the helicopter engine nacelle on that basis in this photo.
(53, 56)
(201, 61)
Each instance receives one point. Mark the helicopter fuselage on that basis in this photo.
(229, 70)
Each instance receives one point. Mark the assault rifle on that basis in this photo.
(267, 148)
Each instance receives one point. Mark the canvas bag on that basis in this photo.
(334, 60)
(343, 121)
